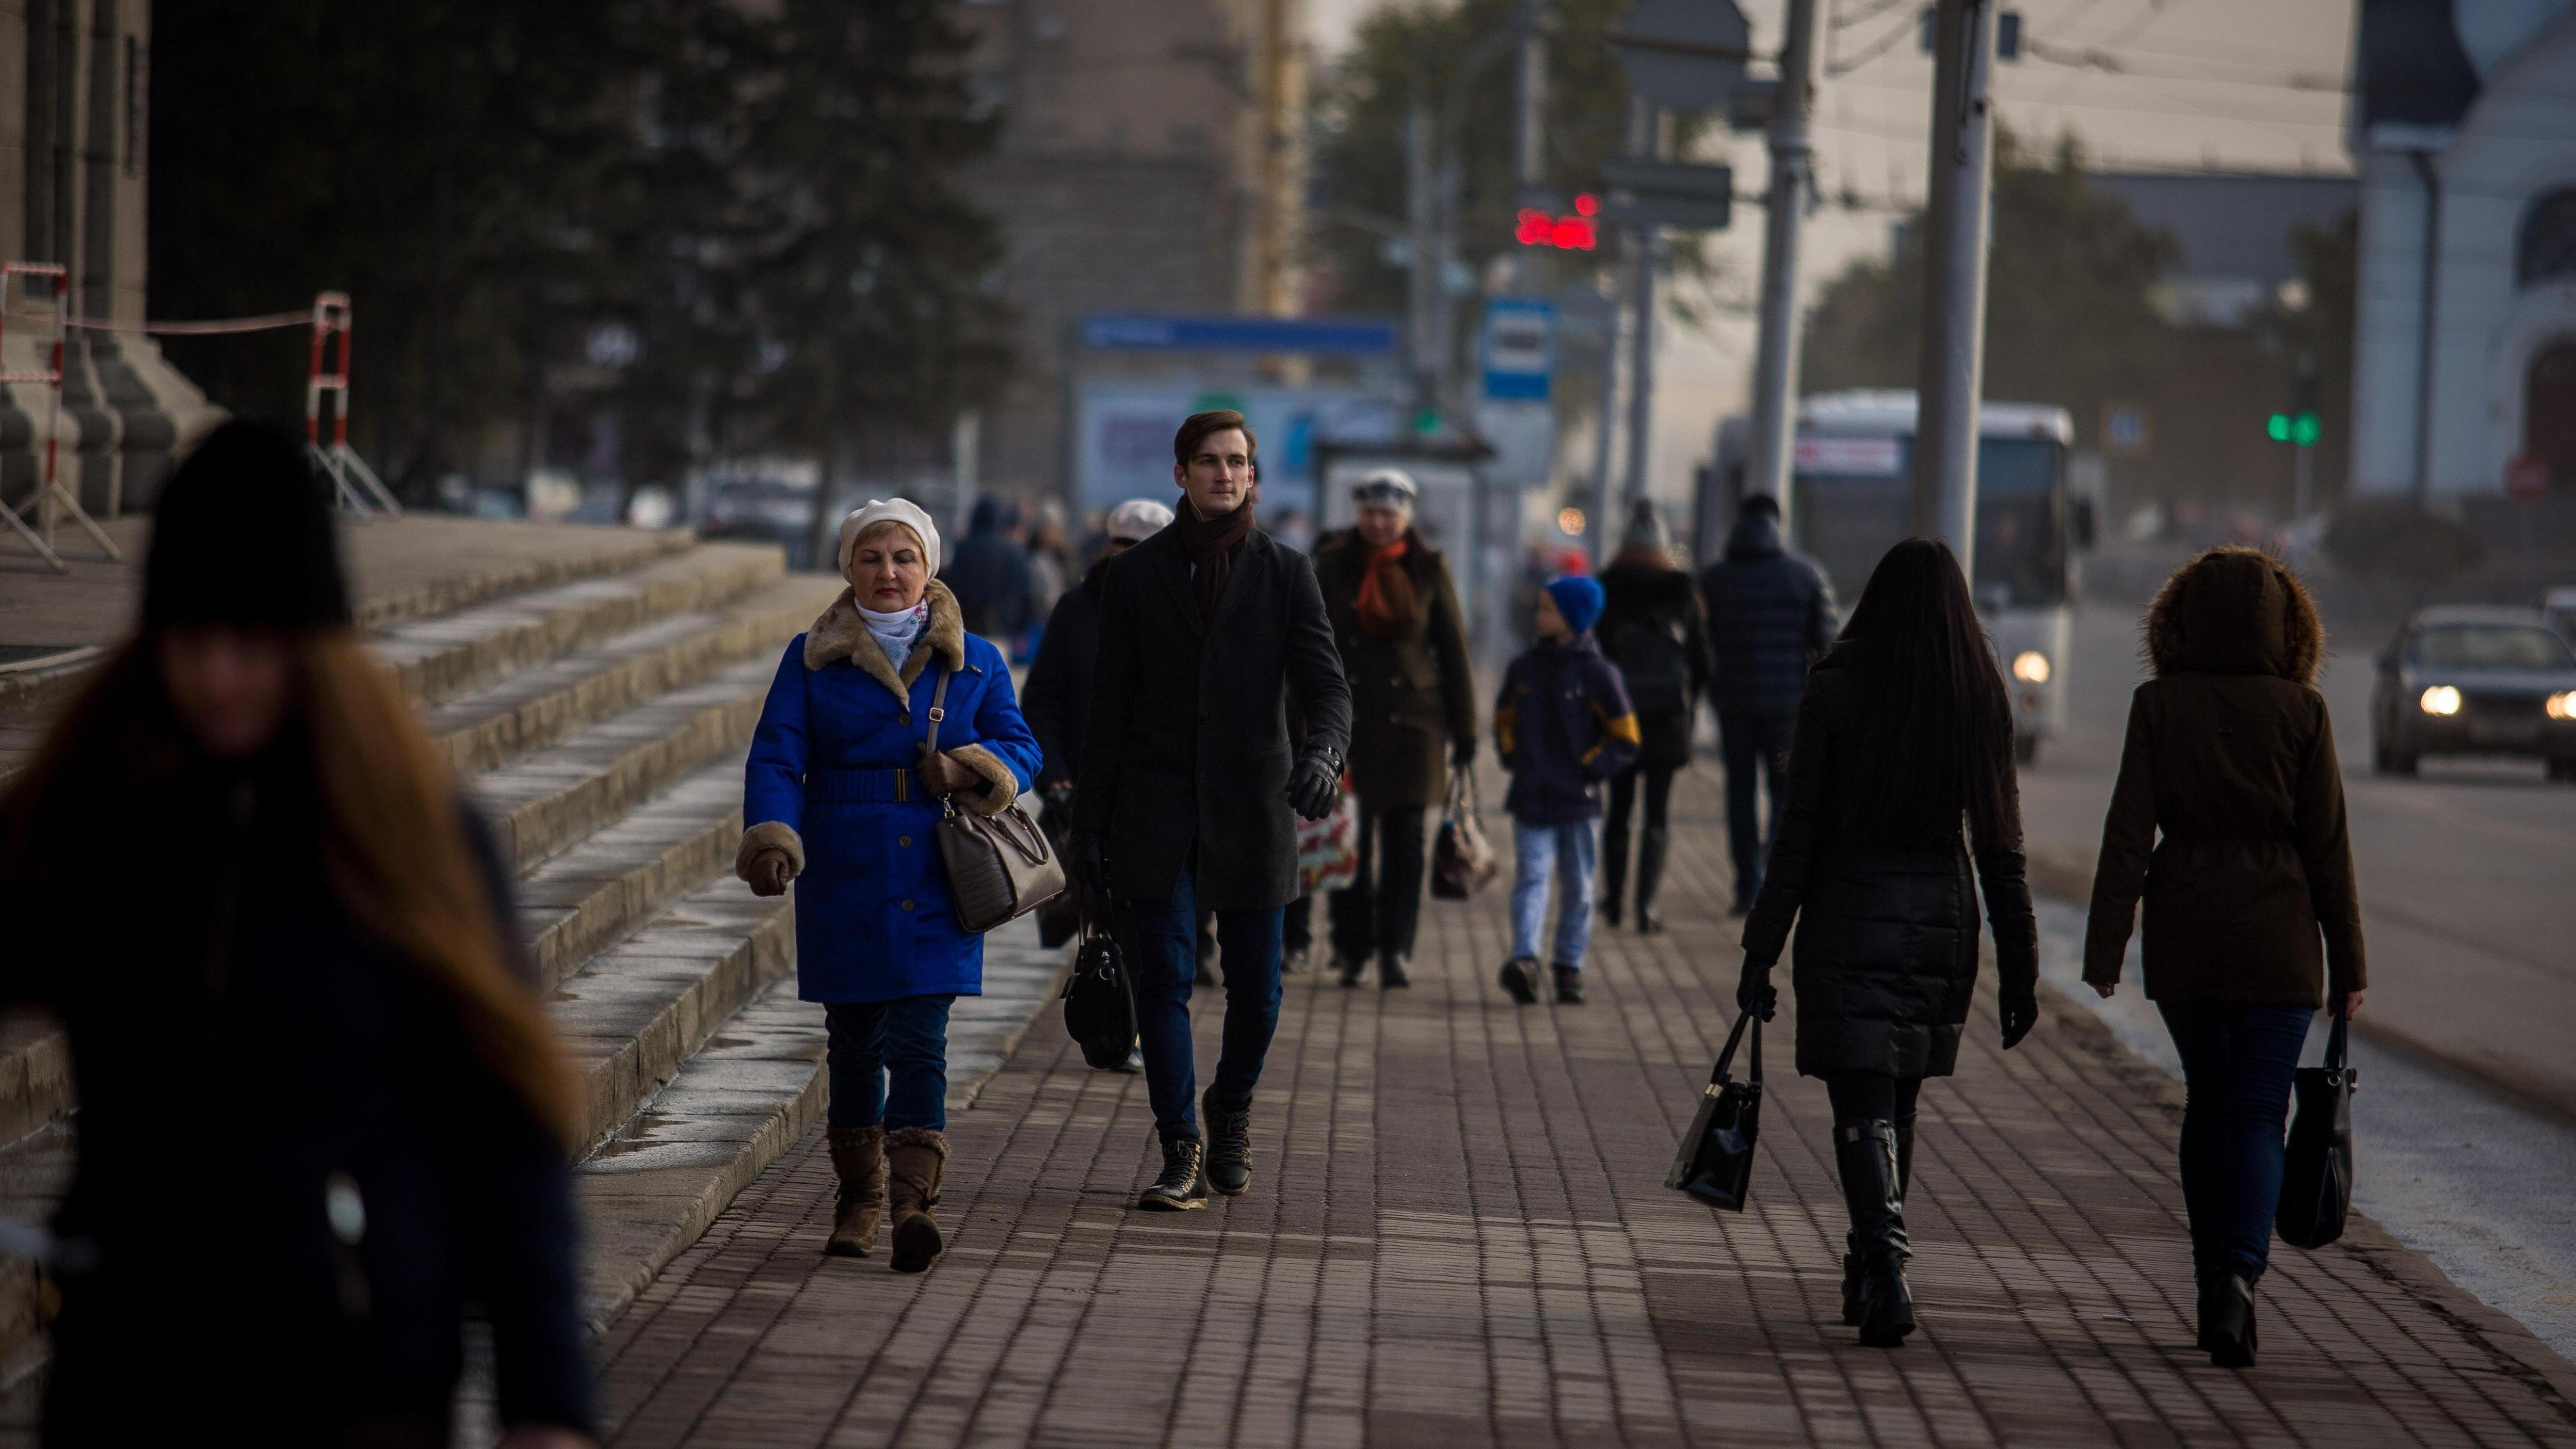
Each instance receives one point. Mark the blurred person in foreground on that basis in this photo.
(843, 793)
(1770, 613)
(1413, 713)
(1904, 738)
(2253, 920)
(322, 1110)
(1652, 627)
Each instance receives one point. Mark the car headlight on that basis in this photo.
(2562, 706)
(2441, 699)
(2030, 667)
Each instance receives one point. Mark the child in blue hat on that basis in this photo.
(1562, 725)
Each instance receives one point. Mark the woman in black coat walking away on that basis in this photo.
(1903, 736)
(321, 1107)
(1654, 629)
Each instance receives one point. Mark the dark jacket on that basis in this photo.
(1770, 613)
(1413, 692)
(1057, 698)
(1186, 758)
(2230, 756)
(238, 1041)
(1887, 941)
(1562, 726)
(990, 576)
(1652, 624)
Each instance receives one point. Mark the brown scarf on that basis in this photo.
(1210, 544)
(1385, 604)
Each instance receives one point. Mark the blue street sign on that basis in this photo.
(1336, 336)
(1519, 349)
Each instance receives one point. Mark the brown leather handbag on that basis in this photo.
(1000, 866)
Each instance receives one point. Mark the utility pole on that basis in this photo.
(1775, 365)
(1423, 282)
(1645, 127)
(1529, 131)
(1954, 277)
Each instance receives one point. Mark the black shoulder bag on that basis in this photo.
(1715, 1163)
(1100, 997)
(2316, 1181)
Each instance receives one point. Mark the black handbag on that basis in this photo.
(1100, 996)
(1715, 1163)
(2316, 1181)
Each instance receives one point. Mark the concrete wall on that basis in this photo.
(2517, 143)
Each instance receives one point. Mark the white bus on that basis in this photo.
(1851, 497)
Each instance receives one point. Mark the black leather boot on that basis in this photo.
(1569, 985)
(1229, 1146)
(1650, 878)
(1851, 1241)
(1865, 1158)
(1614, 873)
(2227, 1321)
(1183, 1185)
(1391, 975)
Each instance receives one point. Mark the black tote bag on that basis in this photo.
(2316, 1181)
(1100, 995)
(1715, 1163)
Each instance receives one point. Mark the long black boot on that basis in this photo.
(1614, 871)
(1650, 878)
(1851, 1242)
(1865, 1158)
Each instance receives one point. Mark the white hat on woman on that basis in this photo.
(1137, 520)
(1386, 488)
(897, 510)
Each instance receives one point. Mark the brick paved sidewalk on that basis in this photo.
(1459, 1234)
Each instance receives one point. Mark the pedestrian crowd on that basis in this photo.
(1204, 699)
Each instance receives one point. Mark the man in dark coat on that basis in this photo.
(1413, 711)
(990, 577)
(1770, 613)
(1056, 701)
(1188, 781)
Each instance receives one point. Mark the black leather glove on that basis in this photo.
(1462, 753)
(1754, 991)
(1316, 783)
(2019, 1005)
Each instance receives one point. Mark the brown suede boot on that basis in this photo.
(858, 1156)
(914, 1158)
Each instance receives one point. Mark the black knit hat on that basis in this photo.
(243, 535)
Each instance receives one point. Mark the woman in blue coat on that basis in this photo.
(843, 793)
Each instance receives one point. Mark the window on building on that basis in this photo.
(2547, 247)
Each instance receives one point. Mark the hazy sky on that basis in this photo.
(2196, 84)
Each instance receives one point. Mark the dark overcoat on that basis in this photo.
(1057, 698)
(1413, 691)
(2231, 758)
(1640, 596)
(1887, 940)
(1186, 758)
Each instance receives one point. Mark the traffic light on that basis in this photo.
(1573, 232)
(2299, 424)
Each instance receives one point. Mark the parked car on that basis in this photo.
(2470, 680)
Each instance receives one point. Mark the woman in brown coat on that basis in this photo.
(2252, 921)
(1413, 710)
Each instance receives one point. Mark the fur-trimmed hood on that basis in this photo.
(839, 635)
(2235, 610)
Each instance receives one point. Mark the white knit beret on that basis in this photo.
(896, 510)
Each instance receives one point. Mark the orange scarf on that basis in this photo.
(1386, 600)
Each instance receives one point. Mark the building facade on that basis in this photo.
(74, 148)
(1152, 160)
(2464, 131)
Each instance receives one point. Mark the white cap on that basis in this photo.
(1136, 520)
(1386, 488)
(897, 510)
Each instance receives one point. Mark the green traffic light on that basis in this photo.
(1426, 422)
(2304, 430)
(2278, 427)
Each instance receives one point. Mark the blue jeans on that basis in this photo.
(1565, 852)
(905, 1039)
(1164, 938)
(1756, 748)
(2237, 1064)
